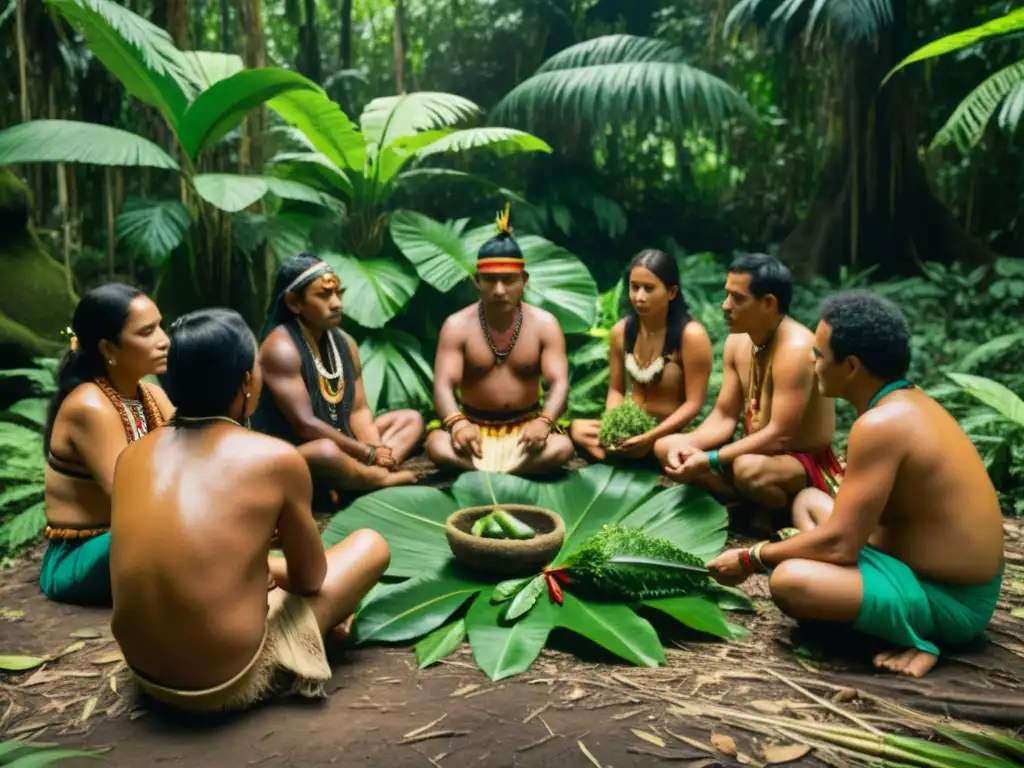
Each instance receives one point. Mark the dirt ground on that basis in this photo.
(574, 707)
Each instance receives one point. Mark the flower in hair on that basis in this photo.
(504, 221)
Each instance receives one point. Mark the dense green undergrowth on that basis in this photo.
(968, 352)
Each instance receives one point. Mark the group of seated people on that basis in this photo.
(167, 501)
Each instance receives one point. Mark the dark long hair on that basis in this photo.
(211, 351)
(101, 314)
(665, 269)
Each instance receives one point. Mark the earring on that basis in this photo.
(112, 362)
(247, 395)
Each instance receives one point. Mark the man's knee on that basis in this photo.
(663, 445)
(562, 449)
(373, 548)
(792, 586)
(438, 446)
(411, 420)
(322, 453)
(750, 471)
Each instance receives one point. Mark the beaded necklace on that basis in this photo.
(138, 417)
(332, 382)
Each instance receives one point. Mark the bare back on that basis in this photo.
(512, 386)
(194, 511)
(792, 347)
(942, 517)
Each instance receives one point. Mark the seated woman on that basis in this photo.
(314, 396)
(99, 408)
(660, 356)
(195, 507)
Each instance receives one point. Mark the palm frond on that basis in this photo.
(1011, 22)
(389, 118)
(69, 141)
(502, 141)
(153, 228)
(848, 21)
(599, 81)
(967, 124)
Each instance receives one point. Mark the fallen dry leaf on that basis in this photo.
(844, 694)
(777, 754)
(48, 676)
(464, 690)
(108, 658)
(86, 634)
(724, 744)
(575, 694)
(586, 752)
(768, 707)
(648, 737)
(11, 614)
(90, 706)
(74, 647)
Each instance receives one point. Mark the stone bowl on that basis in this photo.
(506, 557)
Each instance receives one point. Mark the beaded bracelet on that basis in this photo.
(755, 556)
(451, 420)
(372, 457)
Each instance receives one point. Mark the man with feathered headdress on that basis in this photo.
(495, 352)
(313, 395)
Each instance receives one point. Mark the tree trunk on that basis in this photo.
(399, 43)
(309, 46)
(875, 206)
(225, 26)
(346, 34)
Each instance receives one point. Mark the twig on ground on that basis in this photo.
(827, 704)
(424, 728)
(536, 712)
(587, 754)
(434, 735)
(537, 743)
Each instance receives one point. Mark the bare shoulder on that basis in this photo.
(797, 336)
(351, 343)
(543, 320)
(695, 333)
(162, 400)
(456, 324)
(735, 344)
(279, 353)
(881, 429)
(87, 404)
(617, 335)
(266, 454)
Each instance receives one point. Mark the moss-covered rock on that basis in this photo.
(35, 301)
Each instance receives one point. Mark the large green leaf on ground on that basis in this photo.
(70, 141)
(473, 489)
(434, 248)
(1004, 25)
(414, 607)
(559, 282)
(696, 612)
(597, 82)
(501, 141)
(204, 68)
(502, 649)
(598, 495)
(376, 289)
(440, 643)
(685, 515)
(233, 192)
(993, 394)
(325, 125)
(225, 104)
(389, 118)
(395, 373)
(138, 53)
(410, 518)
(153, 228)
(614, 627)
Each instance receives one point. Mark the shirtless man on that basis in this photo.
(671, 383)
(788, 423)
(911, 548)
(495, 352)
(195, 505)
(319, 406)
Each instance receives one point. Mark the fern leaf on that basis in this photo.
(967, 124)
(18, 493)
(23, 527)
(628, 564)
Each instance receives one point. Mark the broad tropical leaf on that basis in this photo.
(993, 394)
(325, 125)
(204, 68)
(1011, 22)
(232, 192)
(377, 289)
(687, 516)
(559, 282)
(473, 489)
(695, 611)
(411, 519)
(389, 118)
(502, 141)
(225, 104)
(614, 627)
(414, 607)
(591, 498)
(598, 81)
(440, 643)
(395, 373)
(971, 117)
(502, 649)
(138, 53)
(313, 169)
(69, 141)
(450, 174)
(434, 248)
(153, 228)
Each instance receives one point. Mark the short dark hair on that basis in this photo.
(870, 327)
(211, 351)
(768, 275)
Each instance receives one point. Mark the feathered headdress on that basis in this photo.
(501, 254)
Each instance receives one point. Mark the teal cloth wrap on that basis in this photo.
(77, 571)
(916, 613)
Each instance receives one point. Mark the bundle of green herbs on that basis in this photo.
(623, 422)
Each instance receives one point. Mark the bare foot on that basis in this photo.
(906, 661)
(341, 632)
